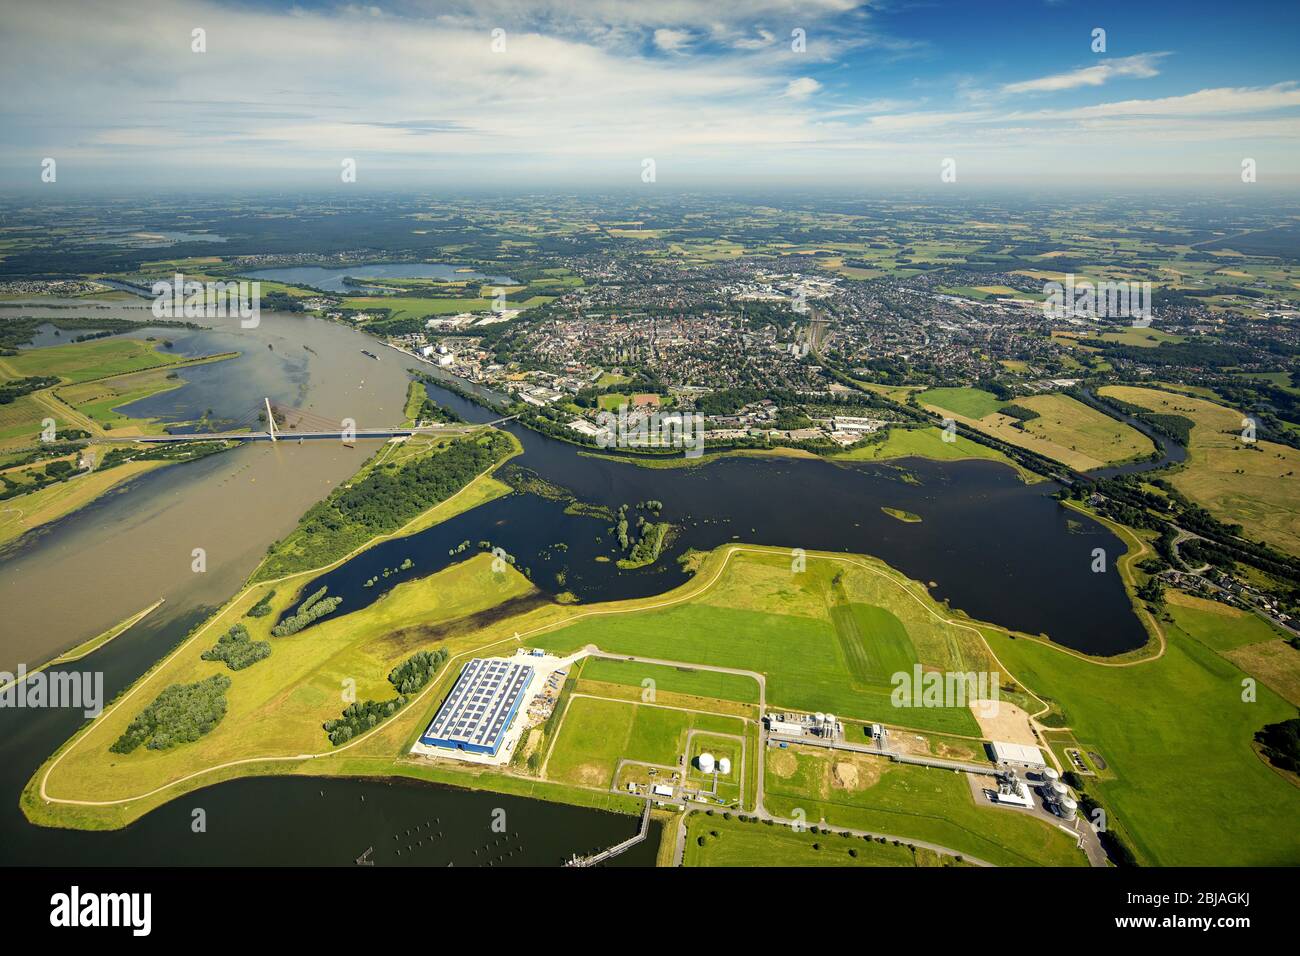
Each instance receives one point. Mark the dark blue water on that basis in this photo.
(999, 549)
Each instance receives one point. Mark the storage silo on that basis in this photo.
(1069, 807)
(1050, 775)
(724, 765)
(705, 762)
(1058, 792)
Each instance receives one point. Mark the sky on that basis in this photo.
(540, 94)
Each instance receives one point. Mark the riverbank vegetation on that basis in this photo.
(312, 609)
(718, 839)
(421, 408)
(383, 497)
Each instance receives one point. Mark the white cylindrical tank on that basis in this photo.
(1069, 806)
(705, 761)
(819, 717)
(724, 765)
(1059, 791)
(1051, 775)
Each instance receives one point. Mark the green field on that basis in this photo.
(1066, 430)
(1183, 779)
(822, 646)
(597, 733)
(732, 842)
(675, 680)
(970, 402)
(871, 793)
(926, 443)
(413, 307)
(81, 361)
(416, 307)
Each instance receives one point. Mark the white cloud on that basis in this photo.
(763, 40)
(1200, 103)
(672, 41)
(801, 88)
(1142, 66)
(100, 81)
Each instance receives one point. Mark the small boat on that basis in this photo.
(370, 353)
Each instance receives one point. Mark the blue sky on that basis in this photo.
(582, 92)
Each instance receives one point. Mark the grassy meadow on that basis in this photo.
(1182, 777)
(1256, 485)
(866, 792)
(1066, 430)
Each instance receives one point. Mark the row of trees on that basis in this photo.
(408, 678)
(312, 609)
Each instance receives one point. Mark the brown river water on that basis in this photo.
(82, 574)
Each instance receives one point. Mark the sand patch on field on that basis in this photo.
(857, 772)
(1000, 720)
(845, 776)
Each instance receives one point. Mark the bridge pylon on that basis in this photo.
(270, 419)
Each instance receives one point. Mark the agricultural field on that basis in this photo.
(1253, 484)
(100, 399)
(20, 421)
(1066, 430)
(98, 377)
(972, 403)
(414, 307)
(417, 307)
(1183, 779)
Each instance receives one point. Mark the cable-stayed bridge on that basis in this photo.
(272, 422)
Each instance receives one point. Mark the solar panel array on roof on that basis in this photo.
(478, 711)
